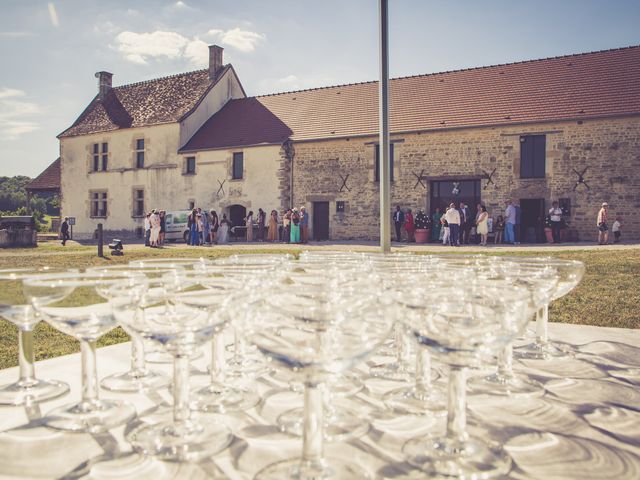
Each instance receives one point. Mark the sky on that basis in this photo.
(50, 51)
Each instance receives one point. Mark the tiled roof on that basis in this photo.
(49, 179)
(581, 86)
(240, 122)
(162, 100)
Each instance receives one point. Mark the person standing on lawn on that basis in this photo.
(603, 229)
(555, 214)
(286, 225)
(409, 226)
(516, 226)
(436, 225)
(398, 220)
(295, 226)
(147, 230)
(615, 228)
(249, 223)
(509, 223)
(261, 221)
(304, 225)
(64, 231)
(466, 223)
(215, 225)
(453, 219)
(272, 233)
(482, 225)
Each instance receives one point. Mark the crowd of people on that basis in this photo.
(207, 228)
(457, 225)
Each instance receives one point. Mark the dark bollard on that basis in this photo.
(100, 242)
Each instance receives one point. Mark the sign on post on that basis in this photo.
(72, 221)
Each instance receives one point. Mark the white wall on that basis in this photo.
(163, 179)
(228, 87)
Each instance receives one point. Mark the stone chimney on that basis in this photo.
(215, 60)
(104, 84)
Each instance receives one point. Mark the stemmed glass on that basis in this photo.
(323, 333)
(221, 395)
(463, 326)
(28, 388)
(570, 272)
(541, 281)
(138, 377)
(181, 322)
(51, 296)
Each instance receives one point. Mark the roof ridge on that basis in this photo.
(450, 71)
(142, 82)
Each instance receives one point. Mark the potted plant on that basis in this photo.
(423, 230)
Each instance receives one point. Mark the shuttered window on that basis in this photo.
(377, 161)
(238, 165)
(532, 156)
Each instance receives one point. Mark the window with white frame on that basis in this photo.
(98, 203)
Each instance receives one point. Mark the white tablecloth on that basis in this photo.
(587, 425)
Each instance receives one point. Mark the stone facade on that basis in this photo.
(609, 149)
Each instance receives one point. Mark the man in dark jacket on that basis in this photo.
(398, 221)
(64, 230)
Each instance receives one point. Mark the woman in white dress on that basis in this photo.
(482, 225)
(249, 223)
(154, 222)
(223, 230)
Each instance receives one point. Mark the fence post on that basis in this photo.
(100, 243)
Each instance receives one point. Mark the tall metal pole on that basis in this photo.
(385, 173)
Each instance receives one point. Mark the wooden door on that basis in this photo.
(321, 220)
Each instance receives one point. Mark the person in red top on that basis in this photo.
(409, 226)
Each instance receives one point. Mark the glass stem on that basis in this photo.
(138, 366)
(25, 356)
(312, 435)
(181, 411)
(89, 370)
(505, 361)
(457, 404)
(423, 372)
(542, 325)
(218, 362)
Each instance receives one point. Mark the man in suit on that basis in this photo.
(466, 222)
(398, 220)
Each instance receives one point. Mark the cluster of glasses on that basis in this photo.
(307, 322)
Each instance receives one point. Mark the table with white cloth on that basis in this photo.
(586, 425)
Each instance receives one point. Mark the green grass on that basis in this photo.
(609, 294)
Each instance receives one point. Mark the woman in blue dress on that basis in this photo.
(295, 226)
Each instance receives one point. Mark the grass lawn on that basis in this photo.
(609, 294)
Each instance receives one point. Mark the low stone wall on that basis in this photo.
(18, 238)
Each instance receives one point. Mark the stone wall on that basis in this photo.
(609, 149)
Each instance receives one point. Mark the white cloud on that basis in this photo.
(197, 52)
(180, 4)
(53, 14)
(243, 40)
(139, 47)
(16, 34)
(15, 113)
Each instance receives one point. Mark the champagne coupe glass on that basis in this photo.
(180, 322)
(138, 377)
(325, 332)
(75, 304)
(14, 308)
(570, 272)
(221, 395)
(463, 326)
(541, 281)
(246, 363)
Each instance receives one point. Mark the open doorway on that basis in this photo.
(237, 214)
(532, 220)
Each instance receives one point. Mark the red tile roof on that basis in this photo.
(581, 86)
(153, 102)
(239, 122)
(49, 179)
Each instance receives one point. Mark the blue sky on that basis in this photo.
(49, 51)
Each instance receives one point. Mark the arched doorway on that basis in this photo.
(237, 214)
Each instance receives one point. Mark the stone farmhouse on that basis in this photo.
(564, 128)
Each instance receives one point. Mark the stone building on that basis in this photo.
(564, 128)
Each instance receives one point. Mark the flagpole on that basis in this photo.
(384, 155)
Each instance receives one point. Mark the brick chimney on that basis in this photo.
(104, 84)
(215, 60)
